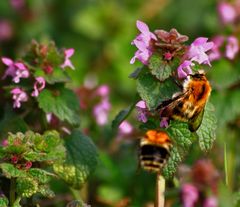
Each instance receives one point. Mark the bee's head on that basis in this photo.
(199, 76)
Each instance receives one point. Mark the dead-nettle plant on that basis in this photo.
(39, 127)
(172, 97)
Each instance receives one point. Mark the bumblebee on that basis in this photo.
(188, 106)
(154, 150)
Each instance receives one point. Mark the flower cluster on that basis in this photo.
(203, 187)
(19, 71)
(169, 47)
(95, 100)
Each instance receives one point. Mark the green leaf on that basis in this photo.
(58, 75)
(4, 201)
(10, 171)
(153, 91)
(176, 156)
(207, 131)
(159, 68)
(40, 175)
(26, 187)
(46, 191)
(81, 160)
(180, 135)
(63, 103)
(122, 115)
(135, 73)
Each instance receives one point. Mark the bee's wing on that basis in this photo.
(196, 121)
(171, 106)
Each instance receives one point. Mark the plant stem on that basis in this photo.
(226, 164)
(12, 191)
(160, 189)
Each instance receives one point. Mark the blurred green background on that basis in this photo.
(101, 31)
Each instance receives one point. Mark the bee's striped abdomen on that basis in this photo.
(154, 150)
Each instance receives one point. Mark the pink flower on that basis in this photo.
(67, 62)
(28, 165)
(226, 12)
(6, 30)
(125, 128)
(103, 90)
(142, 111)
(211, 202)
(164, 122)
(17, 4)
(101, 110)
(215, 53)
(184, 69)
(21, 72)
(11, 70)
(232, 47)
(39, 85)
(198, 49)
(143, 43)
(18, 96)
(189, 195)
(4, 142)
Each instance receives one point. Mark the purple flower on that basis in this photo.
(21, 72)
(184, 69)
(39, 85)
(226, 12)
(164, 122)
(103, 90)
(232, 47)
(143, 43)
(18, 96)
(211, 202)
(198, 49)
(142, 111)
(215, 53)
(101, 110)
(11, 70)
(189, 195)
(67, 62)
(125, 128)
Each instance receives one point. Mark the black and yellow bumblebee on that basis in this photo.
(188, 106)
(154, 150)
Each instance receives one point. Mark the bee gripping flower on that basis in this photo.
(197, 50)
(67, 62)
(18, 95)
(39, 85)
(143, 43)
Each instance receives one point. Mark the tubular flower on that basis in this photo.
(143, 43)
(67, 62)
(18, 96)
(226, 12)
(125, 128)
(21, 72)
(232, 47)
(11, 70)
(198, 49)
(184, 69)
(211, 202)
(189, 195)
(142, 111)
(39, 85)
(215, 53)
(100, 111)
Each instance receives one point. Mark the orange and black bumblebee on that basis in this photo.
(188, 106)
(154, 150)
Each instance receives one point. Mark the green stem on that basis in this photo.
(17, 201)
(12, 191)
(226, 164)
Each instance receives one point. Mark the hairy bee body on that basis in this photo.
(154, 150)
(189, 105)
